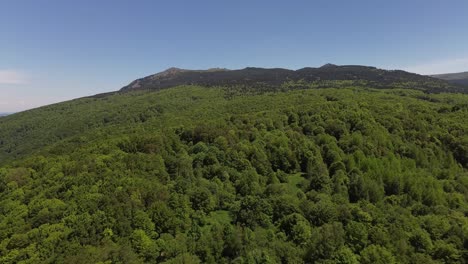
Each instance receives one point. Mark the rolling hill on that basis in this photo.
(338, 164)
(460, 78)
(274, 79)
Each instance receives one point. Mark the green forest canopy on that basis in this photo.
(211, 175)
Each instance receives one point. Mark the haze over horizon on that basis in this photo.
(60, 50)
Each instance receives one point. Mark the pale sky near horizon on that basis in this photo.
(56, 50)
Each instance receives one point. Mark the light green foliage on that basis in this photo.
(376, 255)
(203, 175)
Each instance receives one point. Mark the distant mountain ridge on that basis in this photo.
(273, 78)
(460, 78)
(170, 74)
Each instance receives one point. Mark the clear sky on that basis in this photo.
(54, 50)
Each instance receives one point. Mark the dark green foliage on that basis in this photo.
(253, 79)
(203, 175)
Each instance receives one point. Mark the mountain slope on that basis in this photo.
(196, 174)
(274, 79)
(460, 78)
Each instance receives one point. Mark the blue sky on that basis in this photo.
(54, 50)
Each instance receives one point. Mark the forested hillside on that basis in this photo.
(329, 75)
(197, 174)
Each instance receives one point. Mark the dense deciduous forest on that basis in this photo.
(214, 175)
